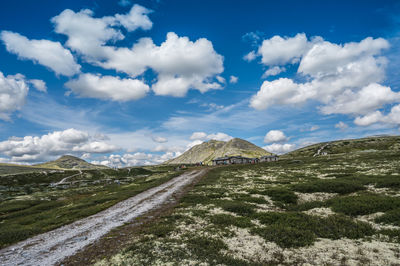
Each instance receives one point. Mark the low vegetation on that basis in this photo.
(341, 208)
(34, 203)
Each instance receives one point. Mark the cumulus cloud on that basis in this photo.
(275, 136)
(279, 148)
(180, 63)
(341, 125)
(135, 159)
(220, 136)
(40, 85)
(13, 91)
(136, 18)
(47, 53)
(280, 51)
(198, 136)
(392, 118)
(233, 79)
(35, 148)
(87, 34)
(273, 71)
(343, 78)
(250, 56)
(108, 87)
(363, 101)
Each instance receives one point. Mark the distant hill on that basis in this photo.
(70, 162)
(207, 151)
(368, 144)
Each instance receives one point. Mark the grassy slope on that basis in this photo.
(70, 162)
(30, 206)
(273, 213)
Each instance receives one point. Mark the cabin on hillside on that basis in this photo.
(269, 158)
(233, 160)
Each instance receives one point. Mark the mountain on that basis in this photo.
(207, 151)
(368, 144)
(70, 162)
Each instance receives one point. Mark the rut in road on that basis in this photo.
(56, 245)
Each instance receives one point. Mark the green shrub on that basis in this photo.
(238, 207)
(363, 204)
(281, 195)
(390, 217)
(330, 186)
(226, 220)
(294, 229)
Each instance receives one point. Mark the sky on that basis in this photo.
(125, 83)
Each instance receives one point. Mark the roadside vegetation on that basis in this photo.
(342, 208)
(36, 202)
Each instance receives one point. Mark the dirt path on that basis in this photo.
(54, 246)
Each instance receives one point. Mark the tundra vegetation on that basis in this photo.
(39, 200)
(341, 208)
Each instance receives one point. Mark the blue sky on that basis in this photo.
(138, 82)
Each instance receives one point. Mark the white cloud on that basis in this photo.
(343, 78)
(88, 35)
(221, 79)
(135, 159)
(280, 51)
(233, 79)
(198, 136)
(180, 64)
(392, 118)
(325, 58)
(220, 136)
(202, 136)
(159, 139)
(136, 18)
(250, 56)
(47, 53)
(13, 91)
(108, 87)
(275, 136)
(273, 71)
(279, 148)
(341, 125)
(280, 91)
(34, 148)
(40, 85)
(95, 147)
(313, 128)
(363, 101)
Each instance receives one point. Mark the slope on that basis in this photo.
(207, 151)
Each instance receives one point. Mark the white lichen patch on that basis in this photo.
(246, 246)
(326, 176)
(268, 177)
(253, 248)
(219, 210)
(321, 212)
(317, 196)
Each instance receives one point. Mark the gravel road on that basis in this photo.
(54, 246)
